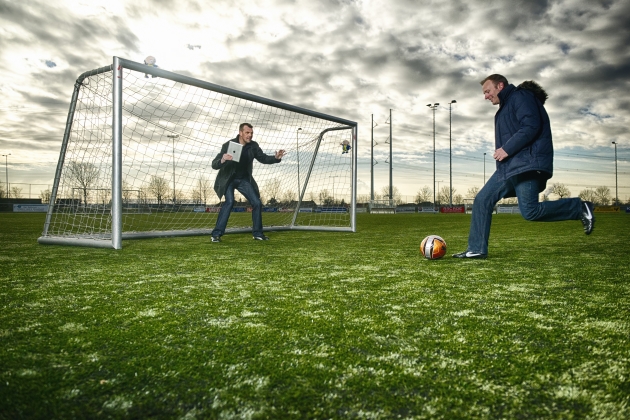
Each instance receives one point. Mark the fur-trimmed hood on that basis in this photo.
(538, 91)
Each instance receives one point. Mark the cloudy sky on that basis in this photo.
(349, 58)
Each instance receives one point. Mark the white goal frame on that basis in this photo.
(115, 208)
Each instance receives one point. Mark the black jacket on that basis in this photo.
(227, 169)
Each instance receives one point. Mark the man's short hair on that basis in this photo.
(496, 79)
(240, 127)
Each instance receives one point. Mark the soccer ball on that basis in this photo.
(150, 61)
(433, 247)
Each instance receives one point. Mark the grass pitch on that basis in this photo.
(319, 325)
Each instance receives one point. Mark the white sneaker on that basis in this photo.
(588, 219)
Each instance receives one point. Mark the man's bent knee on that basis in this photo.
(531, 214)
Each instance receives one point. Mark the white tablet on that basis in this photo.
(235, 150)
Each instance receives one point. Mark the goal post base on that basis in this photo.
(207, 232)
(106, 241)
(85, 242)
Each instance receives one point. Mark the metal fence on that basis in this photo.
(25, 190)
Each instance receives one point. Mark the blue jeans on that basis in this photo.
(244, 187)
(526, 189)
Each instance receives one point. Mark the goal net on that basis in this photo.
(136, 157)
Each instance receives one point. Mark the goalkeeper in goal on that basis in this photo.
(238, 175)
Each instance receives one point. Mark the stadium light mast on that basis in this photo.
(372, 160)
(173, 136)
(433, 107)
(297, 152)
(6, 169)
(450, 149)
(616, 185)
(484, 168)
(391, 159)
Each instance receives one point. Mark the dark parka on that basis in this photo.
(227, 169)
(523, 130)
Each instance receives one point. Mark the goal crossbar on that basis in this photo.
(176, 77)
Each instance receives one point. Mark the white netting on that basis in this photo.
(171, 133)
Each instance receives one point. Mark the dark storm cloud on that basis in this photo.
(75, 43)
(601, 77)
(12, 12)
(75, 40)
(519, 14)
(53, 102)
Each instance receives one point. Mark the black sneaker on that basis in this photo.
(261, 238)
(588, 219)
(216, 239)
(471, 255)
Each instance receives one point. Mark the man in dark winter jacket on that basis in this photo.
(524, 163)
(238, 175)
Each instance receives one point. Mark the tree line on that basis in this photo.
(601, 196)
(84, 177)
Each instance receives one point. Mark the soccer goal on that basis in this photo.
(135, 161)
(382, 206)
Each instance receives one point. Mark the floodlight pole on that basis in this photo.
(173, 136)
(297, 152)
(6, 168)
(391, 167)
(372, 161)
(450, 149)
(616, 185)
(484, 168)
(433, 107)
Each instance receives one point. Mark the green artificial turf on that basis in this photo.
(319, 325)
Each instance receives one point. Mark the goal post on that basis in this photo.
(139, 137)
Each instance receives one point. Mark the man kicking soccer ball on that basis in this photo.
(524, 163)
(238, 175)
